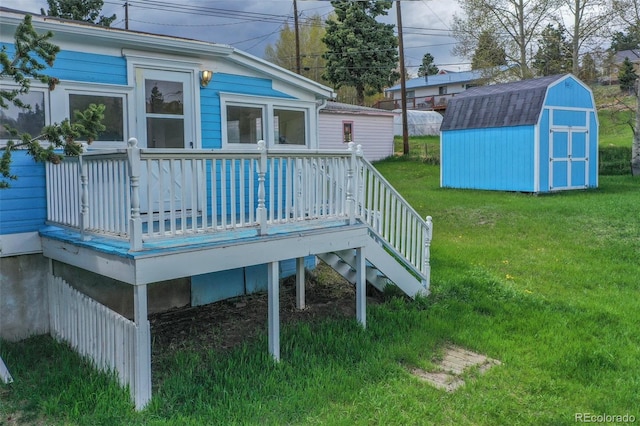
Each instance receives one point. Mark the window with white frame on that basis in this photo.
(113, 113)
(30, 119)
(76, 96)
(281, 122)
(289, 126)
(244, 124)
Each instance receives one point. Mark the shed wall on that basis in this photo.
(493, 159)
(373, 132)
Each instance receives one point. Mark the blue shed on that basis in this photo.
(537, 135)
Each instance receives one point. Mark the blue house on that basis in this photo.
(538, 135)
(208, 183)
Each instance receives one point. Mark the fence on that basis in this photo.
(105, 337)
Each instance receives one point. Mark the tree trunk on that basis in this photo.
(360, 95)
(635, 148)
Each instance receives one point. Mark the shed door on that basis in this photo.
(569, 158)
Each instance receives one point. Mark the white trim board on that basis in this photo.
(17, 244)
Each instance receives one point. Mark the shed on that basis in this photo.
(537, 135)
(340, 123)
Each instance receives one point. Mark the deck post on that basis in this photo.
(84, 195)
(261, 213)
(359, 197)
(426, 269)
(135, 222)
(300, 289)
(142, 375)
(361, 287)
(351, 202)
(5, 376)
(273, 296)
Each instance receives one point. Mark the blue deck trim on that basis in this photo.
(162, 246)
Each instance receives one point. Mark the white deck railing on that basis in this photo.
(149, 194)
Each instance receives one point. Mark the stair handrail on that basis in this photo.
(392, 219)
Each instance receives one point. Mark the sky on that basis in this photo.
(250, 25)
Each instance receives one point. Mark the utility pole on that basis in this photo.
(297, 32)
(126, 15)
(403, 84)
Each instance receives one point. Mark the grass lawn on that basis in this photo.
(548, 285)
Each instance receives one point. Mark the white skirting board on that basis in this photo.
(4, 373)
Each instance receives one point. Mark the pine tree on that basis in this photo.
(554, 54)
(588, 70)
(427, 67)
(627, 76)
(489, 53)
(79, 10)
(33, 53)
(361, 52)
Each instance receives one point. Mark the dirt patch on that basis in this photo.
(226, 324)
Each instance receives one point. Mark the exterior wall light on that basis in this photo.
(205, 77)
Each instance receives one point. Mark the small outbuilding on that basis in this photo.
(339, 124)
(419, 123)
(537, 135)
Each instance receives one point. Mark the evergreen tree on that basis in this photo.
(33, 53)
(627, 76)
(588, 70)
(427, 67)
(79, 10)
(489, 53)
(628, 40)
(361, 52)
(554, 53)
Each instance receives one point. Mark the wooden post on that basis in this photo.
(361, 287)
(351, 204)
(300, 289)
(261, 213)
(142, 375)
(135, 222)
(426, 270)
(84, 195)
(273, 301)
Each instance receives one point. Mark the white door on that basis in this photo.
(569, 158)
(165, 114)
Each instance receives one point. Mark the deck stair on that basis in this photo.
(382, 266)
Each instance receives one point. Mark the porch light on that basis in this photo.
(205, 77)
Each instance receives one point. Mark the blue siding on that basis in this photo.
(569, 118)
(23, 206)
(87, 67)
(569, 93)
(209, 288)
(499, 158)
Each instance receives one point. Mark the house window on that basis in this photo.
(164, 107)
(244, 124)
(24, 120)
(113, 113)
(289, 127)
(279, 122)
(442, 90)
(347, 131)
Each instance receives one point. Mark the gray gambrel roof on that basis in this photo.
(498, 105)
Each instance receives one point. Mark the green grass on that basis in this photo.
(547, 284)
(614, 130)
